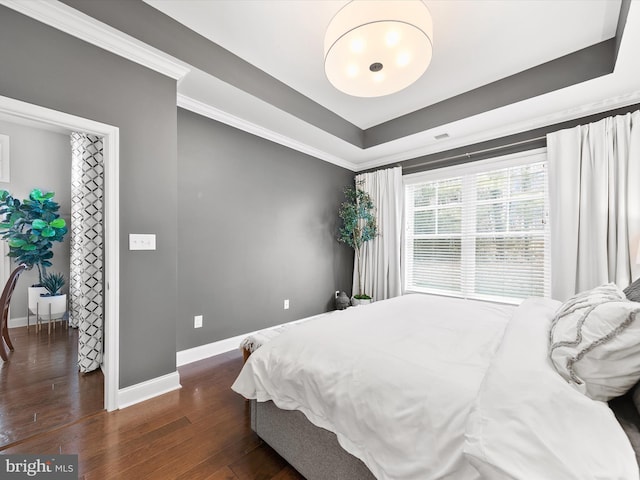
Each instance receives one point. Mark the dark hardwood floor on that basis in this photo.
(40, 386)
(198, 432)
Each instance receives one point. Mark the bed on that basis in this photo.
(423, 387)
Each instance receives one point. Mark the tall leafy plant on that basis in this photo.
(30, 227)
(358, 226)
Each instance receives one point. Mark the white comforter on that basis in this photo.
(401, 381)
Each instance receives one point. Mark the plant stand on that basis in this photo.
(32, 307)
(51, 309)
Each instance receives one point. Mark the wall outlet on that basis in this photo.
(142, 241)
(197, 321)
(286, 304)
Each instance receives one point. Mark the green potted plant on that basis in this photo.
(53, 283)
(358, 227)
(30, 227)
(52, 305)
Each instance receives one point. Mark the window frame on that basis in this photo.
(467, 262)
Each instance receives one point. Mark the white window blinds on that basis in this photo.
(481, 231)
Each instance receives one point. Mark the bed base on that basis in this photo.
(312, 451)
(316, 453)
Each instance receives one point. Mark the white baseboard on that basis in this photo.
(20, 322)
(194, 354)
(136, 393)
(209, 350)
(151, 388)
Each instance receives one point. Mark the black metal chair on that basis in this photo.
(9, 287)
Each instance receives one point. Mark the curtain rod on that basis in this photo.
(477, 152)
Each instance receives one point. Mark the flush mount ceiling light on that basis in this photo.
(375, 48)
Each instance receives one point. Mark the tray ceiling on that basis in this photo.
(499, 67)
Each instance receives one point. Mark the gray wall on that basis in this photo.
(257, 220)
(151, 26)
(257, 224)
(44, 66)
(39, 159)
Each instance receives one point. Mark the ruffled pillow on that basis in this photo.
(594, 342)
(632, 292)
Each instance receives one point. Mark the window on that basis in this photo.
(479, 230)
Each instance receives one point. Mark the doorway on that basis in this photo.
(110, 135)
(41, 387)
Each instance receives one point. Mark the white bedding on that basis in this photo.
(396, 382)
(528, 423)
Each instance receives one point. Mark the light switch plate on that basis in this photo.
(142, 241)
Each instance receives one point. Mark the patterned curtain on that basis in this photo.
(86, 306)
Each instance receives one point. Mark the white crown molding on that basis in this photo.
(214, 113)
(509, 129)
(84, 27)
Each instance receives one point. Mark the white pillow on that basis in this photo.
(594, 342)
(527, 423)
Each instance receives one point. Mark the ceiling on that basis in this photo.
(475, 43)
(499, 67)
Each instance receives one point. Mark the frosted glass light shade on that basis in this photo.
(375, 47)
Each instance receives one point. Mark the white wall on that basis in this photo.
(39, 159)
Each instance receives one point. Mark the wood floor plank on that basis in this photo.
(288, 473)
(231, 452)
(262, 463)
(113, 462)
(224, 473)
(203, 445)
(40, 386)
(200, 432)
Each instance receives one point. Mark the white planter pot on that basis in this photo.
(356, 301)
(52, 308)
(34, 296)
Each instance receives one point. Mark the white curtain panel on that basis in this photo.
(594, 195)
(86, 305)
(381, 257)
